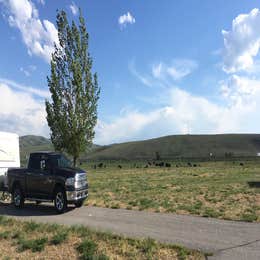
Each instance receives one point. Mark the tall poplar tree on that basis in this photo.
(72, 111)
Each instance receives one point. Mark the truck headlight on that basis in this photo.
(70, 182)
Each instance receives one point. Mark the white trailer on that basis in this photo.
(9, 155)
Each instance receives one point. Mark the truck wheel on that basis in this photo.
(17, 197)
(78, 204)
(60, 200)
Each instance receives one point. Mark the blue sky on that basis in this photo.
(164, 67)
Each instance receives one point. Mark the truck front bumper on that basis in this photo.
(74, 196)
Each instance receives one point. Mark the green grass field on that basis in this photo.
(30, 240)
(211, 189)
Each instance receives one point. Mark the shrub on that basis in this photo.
(31, 226)
(87, 249)
(36, 245)
(249, 217)
(4, 235)
(59, 238)
(149, 246)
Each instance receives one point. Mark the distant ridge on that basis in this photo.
(165, 147)
(33, 143)
(189, 146)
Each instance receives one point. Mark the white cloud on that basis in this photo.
(124, 19)
(242, 43)
(25, 72)
(38, 36)
(183, 113)
(42, 2)
(28, 70)
(178, 69)
(21, 113)
(240, 90)
(74, 8)
(26, 89)
(144, 79)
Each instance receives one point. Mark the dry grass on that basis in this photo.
(212, 189)
(80, 243)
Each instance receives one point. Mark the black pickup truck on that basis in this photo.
(49, 177)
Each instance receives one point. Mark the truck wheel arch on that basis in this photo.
(57, 185)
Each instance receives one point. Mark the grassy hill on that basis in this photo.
(174, 146)
(167, 147)
(33, 143)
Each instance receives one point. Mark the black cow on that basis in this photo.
(100, 165)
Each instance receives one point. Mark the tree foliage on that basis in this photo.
(72, 110)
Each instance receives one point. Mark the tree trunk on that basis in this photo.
(74, 161)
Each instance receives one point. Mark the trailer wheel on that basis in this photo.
(17, 197)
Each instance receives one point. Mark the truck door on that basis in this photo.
(39, 180)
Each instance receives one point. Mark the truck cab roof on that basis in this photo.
(46, 152)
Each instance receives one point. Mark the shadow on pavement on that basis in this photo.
(254, 184)
(29, 209)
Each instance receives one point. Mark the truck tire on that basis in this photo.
(60, 200)
(17, 197)
(78, 204)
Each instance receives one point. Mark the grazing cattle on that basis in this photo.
(194, 165)
(241, 164)
(153, 162)
(149, 163)
(119, 166)
(189, 164)
(161, 164)
(167, 165)
(100, 165)
(177, 165)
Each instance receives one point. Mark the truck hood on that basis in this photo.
(68, 172)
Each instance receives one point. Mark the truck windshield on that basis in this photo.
(61, 161)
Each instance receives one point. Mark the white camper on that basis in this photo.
(9, 154)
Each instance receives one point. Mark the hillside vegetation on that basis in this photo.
(188, 146)
(33, 143)
(168, 147)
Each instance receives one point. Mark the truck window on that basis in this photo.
(60, 161)
(34, 162)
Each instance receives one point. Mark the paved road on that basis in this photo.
(225, 239)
